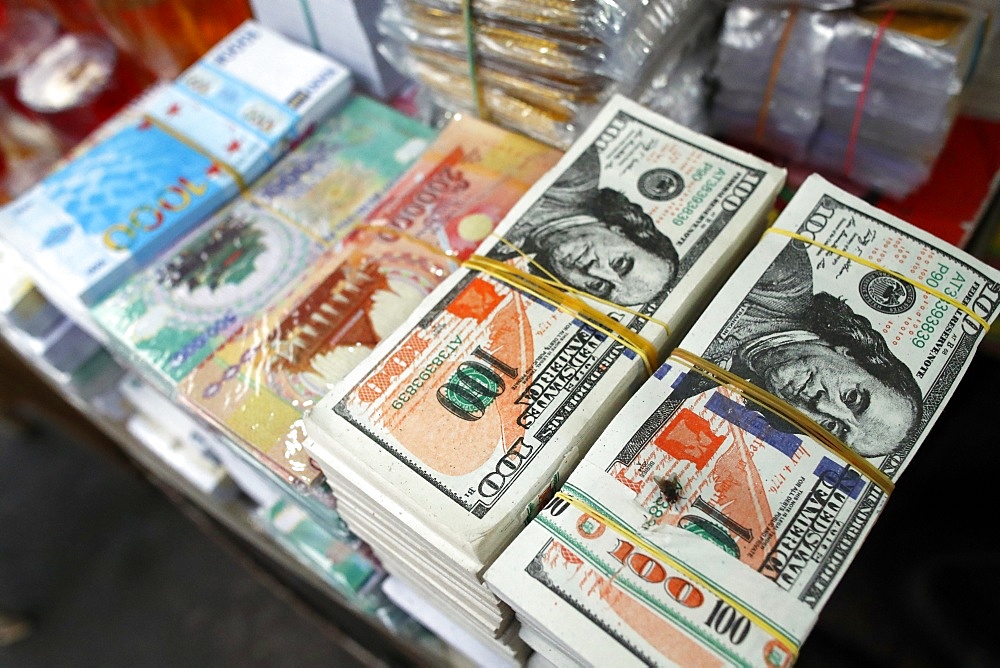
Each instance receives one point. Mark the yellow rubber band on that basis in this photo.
(790, 645)
(556, 283)
(470, 46)
(192, 144)
(533, 285)
(787, 412)
(868, 263)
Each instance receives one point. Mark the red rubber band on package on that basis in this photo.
(863, 93)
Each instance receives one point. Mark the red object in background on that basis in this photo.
(170, 35)
(952, 201)
(78, 82)
(24, 33)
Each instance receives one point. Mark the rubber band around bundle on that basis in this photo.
(198, 148)
(787, 412)
(852, 139)
(470, 50)
(568, 303)
(565, 493)
(304, 5)
(772, 79)
(551, 291)
(874, 265)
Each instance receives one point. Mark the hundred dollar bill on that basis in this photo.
(256, 385)
(486, 393)
(588, 593)
(863, 324)
(170, 316)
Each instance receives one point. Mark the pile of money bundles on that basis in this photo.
(452, 432)
(716, 514)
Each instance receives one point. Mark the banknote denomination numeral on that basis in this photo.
(983, 305)
(147, 218)
(474, 386)
(727, 521)
(506, 468)
(653, 572)
(556, 506)
(725, 621)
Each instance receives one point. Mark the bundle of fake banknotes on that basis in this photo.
(541, 69)
(710, 522)
(441, 443)
(869, 93)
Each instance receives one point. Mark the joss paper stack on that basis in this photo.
(770, 70)
(719, 510)
(198, 141)
(256, 385)
(542, 69)
(442, 443)
(170, 316)
(893, 87)
(870, 94)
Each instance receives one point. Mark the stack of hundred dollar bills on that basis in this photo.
(710, 524)
(445, 441)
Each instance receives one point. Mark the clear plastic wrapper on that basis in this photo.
(822, 5)
(924, 109)
(528, 54)
(921, 132)
(505, 110)
(787, 128)
(577, 56)
(679, 88)
(754, 38)
(770, 71)
(928, 49)
(629, 28)
(887, 171)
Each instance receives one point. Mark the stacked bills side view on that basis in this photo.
(718, 511)
(442, 443)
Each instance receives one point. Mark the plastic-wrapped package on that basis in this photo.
(854, 92)
(823, 5)
(885, 170)
(679, 88)
(919, 131)
(770, 70)
(924, 109)
(892, 92)
(540, 69)
(928, 49)
(788, 132)
(785, 43)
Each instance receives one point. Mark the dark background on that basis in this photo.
(114, 570)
